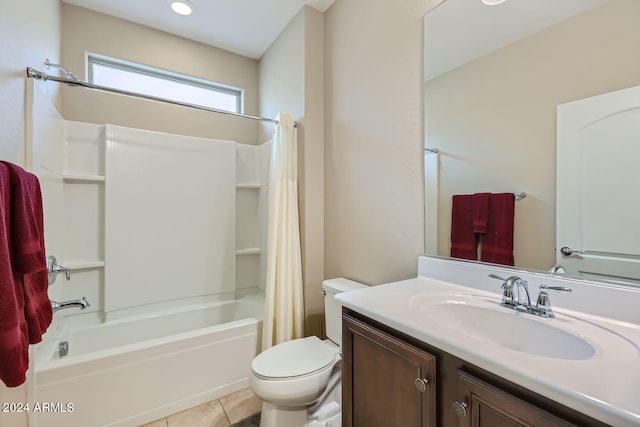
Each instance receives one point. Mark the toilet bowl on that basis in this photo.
(299, 381)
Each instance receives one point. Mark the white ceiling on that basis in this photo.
(246, 27)
(459, 31)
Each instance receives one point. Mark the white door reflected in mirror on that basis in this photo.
(598, 150)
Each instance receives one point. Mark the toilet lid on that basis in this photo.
(294, 358)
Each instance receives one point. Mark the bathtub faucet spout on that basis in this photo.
(80, 303)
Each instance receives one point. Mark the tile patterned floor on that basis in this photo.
(218, 413)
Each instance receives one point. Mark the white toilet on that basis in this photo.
(300, 380)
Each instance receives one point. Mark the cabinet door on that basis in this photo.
(386, 382)
(488, 406)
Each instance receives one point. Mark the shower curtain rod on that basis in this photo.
(39, 75)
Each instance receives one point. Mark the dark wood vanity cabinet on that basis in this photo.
(393, 380)
(386, 381)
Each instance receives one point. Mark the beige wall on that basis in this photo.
(312, 167)
(494, 120)
(26, 39)
(374, 133)
(87, 31)
(292, 80)
(281, 75)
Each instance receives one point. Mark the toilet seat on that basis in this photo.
(295, 359)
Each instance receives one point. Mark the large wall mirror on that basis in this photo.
(494, 77)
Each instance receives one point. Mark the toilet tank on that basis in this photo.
(333, 308)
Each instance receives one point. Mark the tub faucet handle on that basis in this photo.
(53, 268)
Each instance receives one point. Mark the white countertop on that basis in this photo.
(605, 386)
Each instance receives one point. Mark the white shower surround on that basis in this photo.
(71, 160)
(170, 217)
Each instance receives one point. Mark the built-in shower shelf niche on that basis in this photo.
(85, 152)
(83, 181)
(82, 178)
(251, 196)
(249, 251)
(68, 158)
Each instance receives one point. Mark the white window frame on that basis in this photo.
(140, 69)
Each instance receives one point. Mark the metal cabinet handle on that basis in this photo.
(567, 251)
(460, 408)
(421, 384)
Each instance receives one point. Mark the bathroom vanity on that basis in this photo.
(419, 385)
(440, 350)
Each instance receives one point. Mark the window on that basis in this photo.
(163, 84)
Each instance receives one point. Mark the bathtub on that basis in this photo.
(135, 370)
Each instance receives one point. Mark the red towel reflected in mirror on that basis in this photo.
(483, 221)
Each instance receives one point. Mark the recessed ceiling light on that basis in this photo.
(493, 2)
(182, 7)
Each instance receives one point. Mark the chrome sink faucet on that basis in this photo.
(511, 287)
(514, 284)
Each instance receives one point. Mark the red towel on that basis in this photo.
(28, 253)
(464, 243)
(497, 242)
(480, 212)
(14, 339)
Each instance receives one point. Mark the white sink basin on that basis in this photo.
(483, 319)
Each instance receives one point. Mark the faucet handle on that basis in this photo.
(506, 285)
(53, 268)
(543, 304)
(555, 288)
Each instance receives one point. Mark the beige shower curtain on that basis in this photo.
(284, 305)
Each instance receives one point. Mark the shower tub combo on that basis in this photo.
(131, 371)
(163, 333)
(163, 234)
